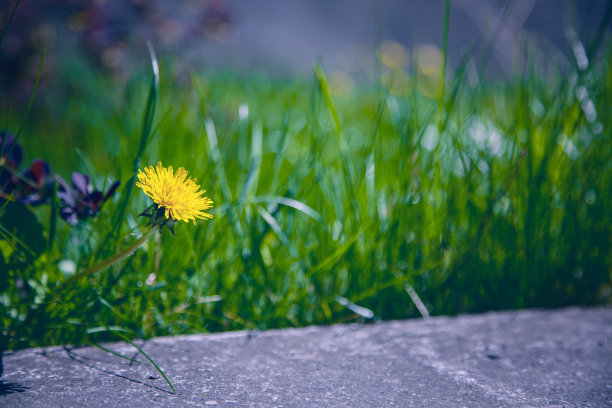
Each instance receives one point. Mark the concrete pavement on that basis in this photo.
(531, 358)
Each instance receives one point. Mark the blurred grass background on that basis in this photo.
(328, 194)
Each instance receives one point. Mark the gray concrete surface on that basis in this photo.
(532, 358)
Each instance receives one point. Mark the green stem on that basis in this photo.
(10, 19)
(108, 262)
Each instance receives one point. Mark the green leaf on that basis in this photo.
(20, 225)
(4, 279)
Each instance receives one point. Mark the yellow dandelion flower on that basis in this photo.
(175, 192)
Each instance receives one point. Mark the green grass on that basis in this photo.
(491, 196)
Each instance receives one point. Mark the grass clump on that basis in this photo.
(482, 197)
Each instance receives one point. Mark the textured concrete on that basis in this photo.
(510, 359)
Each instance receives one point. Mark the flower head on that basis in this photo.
(36, 184)
(10, 159)
(81, 200)
(176, 193)
(10, 151)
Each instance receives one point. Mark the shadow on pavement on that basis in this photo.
(81, 360)
(7, 388)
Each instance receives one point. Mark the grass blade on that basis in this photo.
(146, 355)
(147, 124)
(31, 100)
(278, 231)
(215, 154)
(254, 168)
(10, 19)
(444, 52)
(360, 310)
(114, 353)
(298, 205)
(329, 102)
